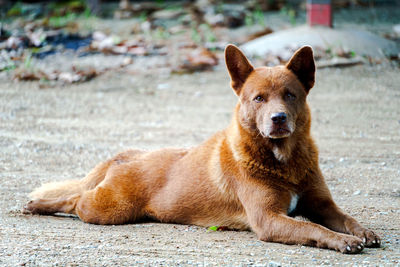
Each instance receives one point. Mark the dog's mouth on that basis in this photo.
(279, 132)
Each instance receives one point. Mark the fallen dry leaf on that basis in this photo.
(113, 45)
(76, 75)
(198, 60)
(257, 34)
(26, 75)
(13, 42)
(339, 62)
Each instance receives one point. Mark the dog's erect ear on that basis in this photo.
(303, 66)
(238, 66)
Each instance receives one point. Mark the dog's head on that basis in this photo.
(271, 99)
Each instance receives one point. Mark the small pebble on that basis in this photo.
(274, 264)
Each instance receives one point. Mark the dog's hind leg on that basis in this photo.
(112, 193)
(119, 198)
(63, 189)
(98, 206)
(62, 196)
(104, 205)
(52, 205)
(94, 177)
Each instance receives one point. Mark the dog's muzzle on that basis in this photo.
(279, 127)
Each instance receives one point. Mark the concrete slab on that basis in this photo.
(362, 43)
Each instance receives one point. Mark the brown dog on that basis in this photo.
(253, 175)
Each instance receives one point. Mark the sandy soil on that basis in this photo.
(61, 133)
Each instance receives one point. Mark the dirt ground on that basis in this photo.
(61, 133)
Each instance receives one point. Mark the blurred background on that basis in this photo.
(187, 36)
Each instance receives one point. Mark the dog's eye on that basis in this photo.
(259, 99)
(290, 96)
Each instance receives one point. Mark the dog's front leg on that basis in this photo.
(268, 220)
(317, 205)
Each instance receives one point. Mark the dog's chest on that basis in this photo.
(294, 198)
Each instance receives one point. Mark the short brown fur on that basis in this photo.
(255, 174)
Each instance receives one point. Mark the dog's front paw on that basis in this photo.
(370, 239)
(350, 244)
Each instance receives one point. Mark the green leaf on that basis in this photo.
(213, 228)
(15, 10)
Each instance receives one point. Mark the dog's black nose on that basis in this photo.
(278, 117)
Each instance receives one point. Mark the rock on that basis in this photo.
(163, 86)
(214, 19)
(229, 15)
(274, 264)
(13, 42)
(166, 14)
(396, 29)
(360, 43)
(69, 77)
(125, 5)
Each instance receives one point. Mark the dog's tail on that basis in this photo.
(72, 187)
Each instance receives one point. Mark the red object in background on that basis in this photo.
(319, 12)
